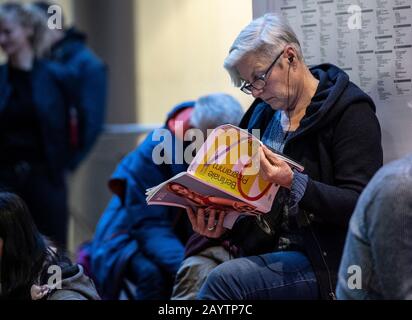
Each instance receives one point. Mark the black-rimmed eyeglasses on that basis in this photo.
(260, 82)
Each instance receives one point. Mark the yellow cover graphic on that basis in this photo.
(229, 160)
(224, 174)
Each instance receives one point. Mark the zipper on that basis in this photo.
(331, 291)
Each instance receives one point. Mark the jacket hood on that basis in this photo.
(72, 35)
(178, 120)
(178, 108)
(335, 93)
(75, 281)
(72, 42)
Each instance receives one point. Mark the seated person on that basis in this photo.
(322, 120)
(26, 256)
(377, 258)
(138, 242)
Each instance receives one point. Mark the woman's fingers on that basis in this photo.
(215, 227)
(207, 222)
(272, 158)
(192, 217)
(219, 227)
(274, 169)
(38, 292)
(265, 166)
(211, 223)
(200, 218)
(196, 218)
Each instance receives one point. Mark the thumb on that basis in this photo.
(271, 156)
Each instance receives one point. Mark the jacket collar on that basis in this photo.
(4, 84)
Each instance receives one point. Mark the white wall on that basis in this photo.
(395, 111)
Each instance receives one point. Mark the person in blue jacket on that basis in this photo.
(34, 99)
(87, 113)
(138, 242)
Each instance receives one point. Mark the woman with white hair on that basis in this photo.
(318, 117)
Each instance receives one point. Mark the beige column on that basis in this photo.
(109, 26)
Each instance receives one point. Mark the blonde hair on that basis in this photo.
(28, 16)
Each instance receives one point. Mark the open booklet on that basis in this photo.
(224, 175)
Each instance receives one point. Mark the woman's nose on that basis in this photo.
(256, 92)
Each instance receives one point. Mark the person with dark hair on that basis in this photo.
(87, 114)
(31, 268)
(34, 99)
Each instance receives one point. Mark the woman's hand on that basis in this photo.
(274, 169)
(39, 292)
(207, 222)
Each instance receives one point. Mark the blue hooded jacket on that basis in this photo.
(129, 226)
(91, 93)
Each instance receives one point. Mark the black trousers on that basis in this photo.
(45, 197)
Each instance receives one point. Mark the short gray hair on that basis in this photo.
(264, 36)
(213, 110)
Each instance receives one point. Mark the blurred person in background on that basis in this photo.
(34, 100)
(377, 259)
(87, 114)
(145, 244)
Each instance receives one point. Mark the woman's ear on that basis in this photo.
(290, 53)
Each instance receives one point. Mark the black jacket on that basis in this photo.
(52, 88)
(339, 144)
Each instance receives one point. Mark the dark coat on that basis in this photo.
(339, 144)
(129, 226)
(90, 99)
(51, 87)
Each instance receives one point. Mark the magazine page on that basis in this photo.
(185, 190)
(229, 160)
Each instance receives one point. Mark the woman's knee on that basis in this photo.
(228, 269)
(276, 275)
(225, 281)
